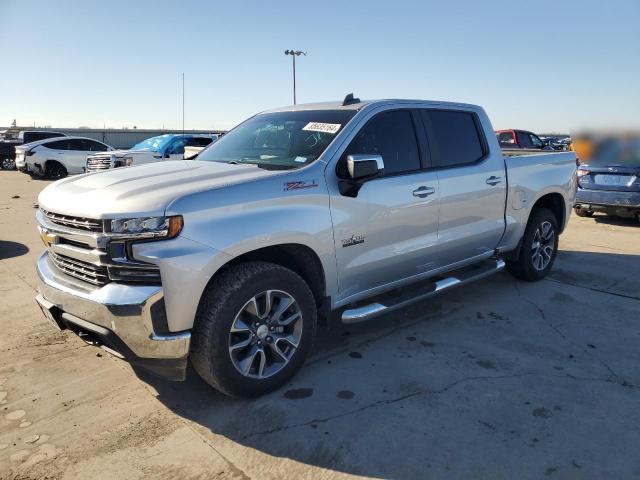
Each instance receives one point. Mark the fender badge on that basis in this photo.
(300, 184)
(353, 240)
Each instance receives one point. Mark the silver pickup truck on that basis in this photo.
(354, 208)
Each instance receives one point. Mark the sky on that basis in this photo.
(546, 66)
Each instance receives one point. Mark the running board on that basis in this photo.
(460, 277)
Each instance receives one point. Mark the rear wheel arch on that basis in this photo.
(555, 203)
(53, 166)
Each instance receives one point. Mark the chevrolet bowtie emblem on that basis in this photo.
(47, 238)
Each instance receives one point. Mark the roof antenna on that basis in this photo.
(349, 100)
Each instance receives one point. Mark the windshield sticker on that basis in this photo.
(300, 159)
(322, 127)
(299, 185)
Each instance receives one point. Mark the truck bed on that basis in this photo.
(530, 176)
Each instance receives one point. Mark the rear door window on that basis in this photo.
(524, 141)
(391, 135)
(79, 144)
(453, 137)
(57, 145)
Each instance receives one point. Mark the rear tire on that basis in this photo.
(242, 353)
(8, 164)
(55, 170)
(539, 247)
(581, 212)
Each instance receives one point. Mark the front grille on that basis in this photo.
(81, 223)
(95, 274)
(95, 164)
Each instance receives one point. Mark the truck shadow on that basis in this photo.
(10, 249)
(314, 421)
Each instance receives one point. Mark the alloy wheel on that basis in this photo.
(544, 242)
(265, 334)
(8, 164)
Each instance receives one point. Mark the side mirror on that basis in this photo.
(167, 155)
(364, 166)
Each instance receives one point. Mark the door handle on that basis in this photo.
(423, 191)
(493, 180)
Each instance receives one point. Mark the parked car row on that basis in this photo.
(58, 157)
(8, 147)
(524, 139)
(163, 147)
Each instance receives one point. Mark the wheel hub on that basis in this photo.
(262, 332)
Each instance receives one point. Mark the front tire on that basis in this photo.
(539, 247)
(254, 328)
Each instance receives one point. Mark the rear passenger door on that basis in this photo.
(472, 185)
(389, 231)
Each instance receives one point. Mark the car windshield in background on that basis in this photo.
(282, 140)
(154, 144)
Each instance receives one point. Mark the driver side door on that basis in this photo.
(388, 232)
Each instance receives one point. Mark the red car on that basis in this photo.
(519, 139)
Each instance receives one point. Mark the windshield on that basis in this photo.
(154, 144)
(281, 140)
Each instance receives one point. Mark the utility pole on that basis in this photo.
(294, 54)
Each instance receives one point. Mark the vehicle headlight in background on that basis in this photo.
(150, 227)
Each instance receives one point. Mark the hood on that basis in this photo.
(142, 190)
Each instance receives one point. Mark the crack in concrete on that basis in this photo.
(593, 289)
(421, 392)
(614, 377)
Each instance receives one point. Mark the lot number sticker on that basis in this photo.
(322, 127)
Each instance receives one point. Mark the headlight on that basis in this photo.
(148, 227)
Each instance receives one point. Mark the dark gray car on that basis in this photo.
(609, 182)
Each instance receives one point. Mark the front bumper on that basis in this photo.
(606, 199)
(116, 316)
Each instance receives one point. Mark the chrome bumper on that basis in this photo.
(118, 316)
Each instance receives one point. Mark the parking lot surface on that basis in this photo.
(499, 380)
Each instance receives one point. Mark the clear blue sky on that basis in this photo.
(544, 65)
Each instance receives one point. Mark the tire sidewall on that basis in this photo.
(222, 368)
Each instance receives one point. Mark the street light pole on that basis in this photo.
(294, 54)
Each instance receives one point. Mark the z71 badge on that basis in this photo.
(353, 240)
(299, 185)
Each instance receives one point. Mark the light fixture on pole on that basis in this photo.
(294, 54)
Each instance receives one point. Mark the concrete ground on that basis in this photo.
(498, 380)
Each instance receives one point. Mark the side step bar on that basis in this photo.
(459, 277)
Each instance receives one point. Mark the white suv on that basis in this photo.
(57, 157)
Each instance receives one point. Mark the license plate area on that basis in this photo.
(614, 180)
(48, 310)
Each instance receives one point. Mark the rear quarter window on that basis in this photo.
(453, 137)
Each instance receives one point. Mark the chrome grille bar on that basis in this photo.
(82, 223)
(82, 270)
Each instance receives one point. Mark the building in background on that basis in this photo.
(121, 138)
